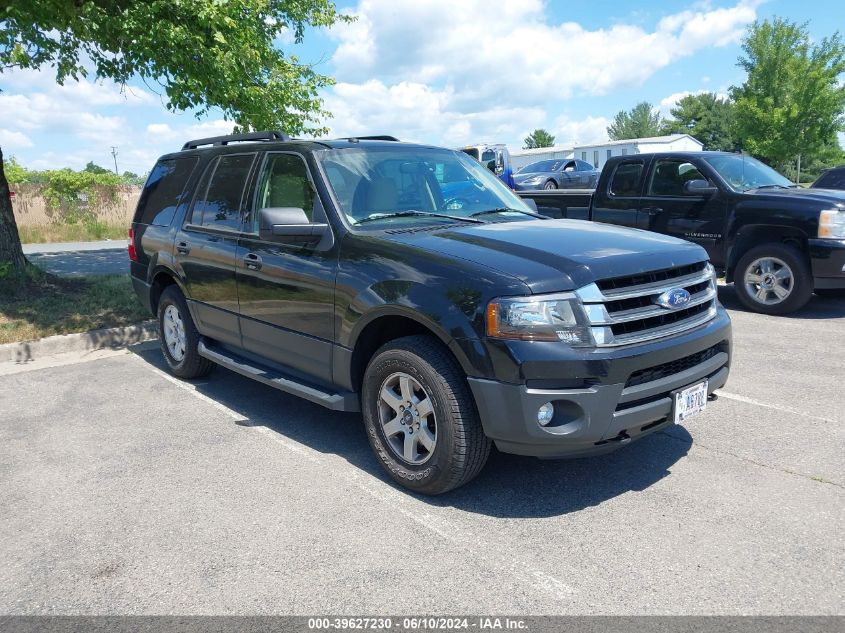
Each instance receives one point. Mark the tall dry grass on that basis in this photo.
(106, 215)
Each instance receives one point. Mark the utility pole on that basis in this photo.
(114, 155)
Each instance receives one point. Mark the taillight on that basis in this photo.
(133, 254)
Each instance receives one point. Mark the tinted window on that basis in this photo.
(163, 191)
(626, 179)
(669, 177)
(834, 179)
(284, 183)
(220, 205)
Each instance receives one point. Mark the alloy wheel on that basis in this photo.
(769, 280)
(407, 418)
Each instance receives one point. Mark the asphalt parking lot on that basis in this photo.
(125, 491)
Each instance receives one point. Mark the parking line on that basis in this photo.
(398, 501)
(767, 405)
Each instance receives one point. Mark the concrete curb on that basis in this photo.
(107, 338)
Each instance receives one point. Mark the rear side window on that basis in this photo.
(164, 190)
(626, 179)
(834, 179)
(219, 205)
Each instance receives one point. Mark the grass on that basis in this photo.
(43, 305)
(80, 232)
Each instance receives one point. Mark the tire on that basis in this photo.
(773, 279)
(831, 293)
(550, 184)
(450, 447)
(179, 341)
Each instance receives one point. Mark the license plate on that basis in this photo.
(690, 401)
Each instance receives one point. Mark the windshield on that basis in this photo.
(374, 183)
(543, 165)
(743, 173)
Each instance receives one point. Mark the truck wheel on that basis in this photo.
(550, 184)
(420, 416)
(773, 279)
(178, 337)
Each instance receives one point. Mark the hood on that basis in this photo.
(821, 196)
(556, 255)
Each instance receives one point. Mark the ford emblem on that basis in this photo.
(674, 298)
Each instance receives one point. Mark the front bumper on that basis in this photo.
(603, 414)
(828, 260)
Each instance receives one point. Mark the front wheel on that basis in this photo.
(420, 416)
(773, 279)
(550, 184)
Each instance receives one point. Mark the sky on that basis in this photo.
(446, 72)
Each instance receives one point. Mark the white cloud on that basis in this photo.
(571, 132)
(452, 72)
(14, 140)
(667, 103)
(517, 51)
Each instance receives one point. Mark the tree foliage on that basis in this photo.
(539, 138)
(706, 117)
(642, 121)
(203, 54)
(792, 103)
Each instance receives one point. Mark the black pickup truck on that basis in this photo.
(777, 242)
(407, 282)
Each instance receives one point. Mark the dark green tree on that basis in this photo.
(642, 121)
(93, 168)
(539, 138)
(205, 54)
(706, 117)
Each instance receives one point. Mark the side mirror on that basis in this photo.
(289, 225)
(699, 187)
(531, 204)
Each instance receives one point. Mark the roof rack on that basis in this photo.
(271, 135)
(382, 137)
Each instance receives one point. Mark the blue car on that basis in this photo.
(556, 173)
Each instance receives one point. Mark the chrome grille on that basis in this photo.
(625, 310)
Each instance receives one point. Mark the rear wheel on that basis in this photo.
(178, 337)
(773, 279)
(420, 417)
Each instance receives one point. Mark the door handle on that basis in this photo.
(183, 248)
(252, 261)
(652, 210)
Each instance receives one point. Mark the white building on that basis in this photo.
(522, 157)
(597, 153)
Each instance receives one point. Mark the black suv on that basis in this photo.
(348, 272)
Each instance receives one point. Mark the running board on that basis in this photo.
(335, 401)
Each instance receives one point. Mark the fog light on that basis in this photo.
(545, 414)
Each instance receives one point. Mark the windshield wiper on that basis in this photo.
(408, 214)
(773, 186)
(508, 210)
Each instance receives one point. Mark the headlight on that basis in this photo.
(532, 181)
(832, 224)
(541, 318)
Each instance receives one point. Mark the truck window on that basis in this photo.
(219, 206)
(163, 191)
(669, 176)
(284, 183)
(626, 179)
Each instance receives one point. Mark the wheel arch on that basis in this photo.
(160, 279)
(389, 324)
(750, 236)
